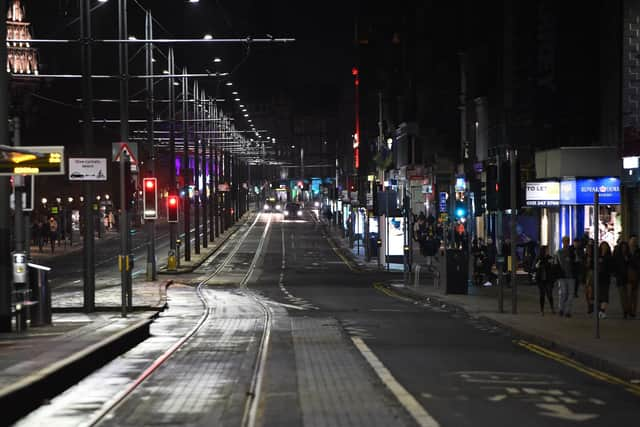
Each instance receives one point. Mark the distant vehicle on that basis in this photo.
(271, 205)
(292, 210)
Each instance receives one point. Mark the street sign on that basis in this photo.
(87, 169)
(131, 148)
(32, 160)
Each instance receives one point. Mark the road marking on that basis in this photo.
(563, 412)
(389, 292)
(632, 388)
(409, 402)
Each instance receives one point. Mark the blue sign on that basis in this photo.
(581, 191)
(443, 201)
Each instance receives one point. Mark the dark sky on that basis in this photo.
(311, 70)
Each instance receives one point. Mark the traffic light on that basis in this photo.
(150, 198)
(460, 210)
(492, 188)
(172, 208)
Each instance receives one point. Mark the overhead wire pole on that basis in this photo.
(196, 170)
(216, 166)
(203, 144)
(88, 253)
(5, 217)
(186, 175)
(151, 272)
(125, 246)
(210, 125)
(172, 149)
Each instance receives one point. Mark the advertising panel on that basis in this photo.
(346, 211)
(580, 191)
(546, 193)
(373, 225)
(361, 217)
(395, 242)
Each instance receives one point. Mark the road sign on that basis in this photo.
(33, 160)
(27, 195)
(87, 169)
(131, 148)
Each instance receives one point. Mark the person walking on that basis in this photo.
(621, 257)
(605, 270)
(634, 275)
(544, 278)
(53, 233)
(579, 246)
(565, 257)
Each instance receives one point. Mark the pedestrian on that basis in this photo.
(565, 257)
(53, 232)
(634, 275)
(621, 258)
(578, 245)
(489, 261)
(544, 278)
(605, 271)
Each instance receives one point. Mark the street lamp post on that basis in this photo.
(203, 144)
(150, 224)
(196, 170)
(186, 175)
(172, 148)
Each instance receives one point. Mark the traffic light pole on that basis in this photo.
(514, 212)
(500, 256)
(196, 170)
(89, 273)
(172, 149)
(151, 272)
(185, 167)
(203, 197)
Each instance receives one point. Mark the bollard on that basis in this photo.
(41, 294)
(171, 260)
(178, 242)
(416, 279)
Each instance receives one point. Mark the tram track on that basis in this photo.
(253, 394)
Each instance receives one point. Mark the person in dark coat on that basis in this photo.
(544, 279)
(621, 258)
(605, 271)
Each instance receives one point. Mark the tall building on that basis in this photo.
(22, 58)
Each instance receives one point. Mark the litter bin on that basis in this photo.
(40, 294)
(457, 265)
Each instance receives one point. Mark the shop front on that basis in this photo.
(567, 209)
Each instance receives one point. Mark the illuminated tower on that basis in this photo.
(21, 57)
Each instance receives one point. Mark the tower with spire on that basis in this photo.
(22, 58)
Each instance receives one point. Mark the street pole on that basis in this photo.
(123, 259)
(89, 274)
(5, 217)
(125, 244)
(196, 168)
(203, 144)
(185, 167)
(172, 149)
(150, 223)
(18, 185)
(500, 256)
(212, 200)
(514, 212)
(596, 255)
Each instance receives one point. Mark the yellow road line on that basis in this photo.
(382, 288)
(560, 358)
(342, 257)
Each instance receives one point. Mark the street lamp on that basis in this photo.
(106, 197)
(44, 200)
(70, 199)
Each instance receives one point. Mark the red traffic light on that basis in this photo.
(149, 183)
(172, 208)
(173, 200)
(150, 199)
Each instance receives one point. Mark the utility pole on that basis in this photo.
(514, 213)
(125, 244)
(172, 149)
(596, 255)
(5, 244)
(212, 203)
(186, 171)
(196, 169)
(89, 273)
(500, 256)
(18, 185)
(150, 223)
(203, 144)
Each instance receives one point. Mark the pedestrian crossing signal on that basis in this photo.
(172, 208)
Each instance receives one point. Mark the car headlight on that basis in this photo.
(299, 213)
(266, 207)
(278, 207)
(316, 204)
(286, 213)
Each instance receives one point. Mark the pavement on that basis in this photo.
(614, 352)
(42, 361)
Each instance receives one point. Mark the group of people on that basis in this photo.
(45, 231)
(426, 233)
(572, 267)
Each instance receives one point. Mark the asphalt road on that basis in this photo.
(340, 351)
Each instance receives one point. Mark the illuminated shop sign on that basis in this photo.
(545, 193)
(581, 190)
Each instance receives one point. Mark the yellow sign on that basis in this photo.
(32, 160)
(25, 170)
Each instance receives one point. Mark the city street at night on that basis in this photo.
(281, 214)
